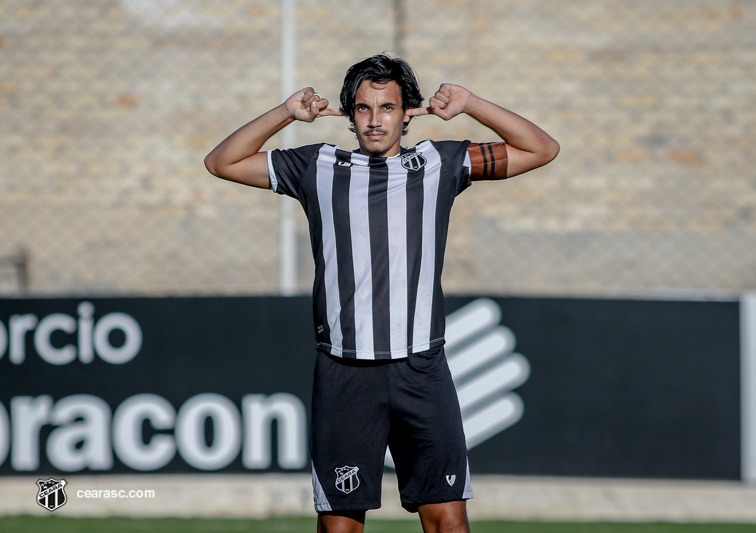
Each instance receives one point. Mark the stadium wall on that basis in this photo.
(109, 108)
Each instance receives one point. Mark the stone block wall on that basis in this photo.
(108, 109)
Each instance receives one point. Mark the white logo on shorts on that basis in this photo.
(346, 479)
(451, 479)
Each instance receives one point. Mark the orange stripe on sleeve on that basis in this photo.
(488, 161)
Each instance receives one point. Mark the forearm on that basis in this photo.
(247, 140)
(238, 157)
(517, 131)
(528, 146)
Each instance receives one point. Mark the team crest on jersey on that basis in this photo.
(51, 494)
(346, 479)
(413, 161)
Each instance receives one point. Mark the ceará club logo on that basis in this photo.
(51, 495)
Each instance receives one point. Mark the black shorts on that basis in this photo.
(361, 407)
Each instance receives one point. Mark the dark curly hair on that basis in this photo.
(380, 68)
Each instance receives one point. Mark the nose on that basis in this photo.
(375, 119)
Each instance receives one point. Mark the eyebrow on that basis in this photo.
(357, 104)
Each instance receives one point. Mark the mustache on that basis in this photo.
(370, 131)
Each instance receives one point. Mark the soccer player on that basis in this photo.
(378, 219)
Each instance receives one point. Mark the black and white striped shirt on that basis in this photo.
(378, 229)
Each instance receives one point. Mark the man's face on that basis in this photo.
(379, 118)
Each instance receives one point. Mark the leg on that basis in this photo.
(447, 517)
(341, 522)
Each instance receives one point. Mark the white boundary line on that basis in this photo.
(496, 498)
(748, 386)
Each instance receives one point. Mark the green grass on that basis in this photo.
(59, 524)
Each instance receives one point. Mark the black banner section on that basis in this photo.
(578, 387)
(216, 383)
(622, 388)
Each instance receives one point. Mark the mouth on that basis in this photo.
(375, 135)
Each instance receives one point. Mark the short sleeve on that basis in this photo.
(286, 168)
(455, 152)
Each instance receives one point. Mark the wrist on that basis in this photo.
(285, 115)
(472, 105)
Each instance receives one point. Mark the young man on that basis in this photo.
(378, 221)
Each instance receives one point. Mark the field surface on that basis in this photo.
(56, 524)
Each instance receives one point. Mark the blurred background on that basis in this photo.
(109, 107)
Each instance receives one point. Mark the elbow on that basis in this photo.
(548, 151)
(552, 150)
(211, 164)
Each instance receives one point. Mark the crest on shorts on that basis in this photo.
(413, 161)
(51, 494)
(346, 479)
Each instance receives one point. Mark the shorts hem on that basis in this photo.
(350, 507)
(413, 506)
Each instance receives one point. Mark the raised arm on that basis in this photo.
(527, 146)
(238, 157)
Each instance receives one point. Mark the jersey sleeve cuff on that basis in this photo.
(272, 172)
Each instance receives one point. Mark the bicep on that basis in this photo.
(252, 170)
(488, 161)
(499, 160)
(521, 161)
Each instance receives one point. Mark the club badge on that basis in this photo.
(413, 161)
(346, 479)
(51, 494)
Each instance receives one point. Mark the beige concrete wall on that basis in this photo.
(109, 107)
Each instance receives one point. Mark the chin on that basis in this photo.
(377, 152)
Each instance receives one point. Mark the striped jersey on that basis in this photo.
(378, 229)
